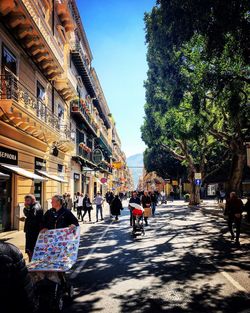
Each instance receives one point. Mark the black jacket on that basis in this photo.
(116, 206)
(60, 219)
(16, 288)
(33, 223)
(86, 201)
(135, 200)
(145, 200)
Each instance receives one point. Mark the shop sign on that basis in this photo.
(8, 156)
(40, 164)
(76, 176)
(97, 156)
(103, 180)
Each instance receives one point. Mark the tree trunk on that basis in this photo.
(195, 190)
(238, 163)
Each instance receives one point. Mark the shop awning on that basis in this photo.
(53, 177)
(22, 172)
(4, 176)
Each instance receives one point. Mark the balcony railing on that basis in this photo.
(105, 141)
(12, 89)
(77, 107)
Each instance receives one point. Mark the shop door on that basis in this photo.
(38, 191)
(5, 204)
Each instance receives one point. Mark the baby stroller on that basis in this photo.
(55, 253)
(52, 289)
(137, 219)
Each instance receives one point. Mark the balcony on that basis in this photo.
(64, 14)
(84, 157)
(83, 67)
(20, 108)
(105, 144)
(82, 114)
(32, 32)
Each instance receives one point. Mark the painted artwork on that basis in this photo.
(56, 250)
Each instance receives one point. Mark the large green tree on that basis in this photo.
(198, 83)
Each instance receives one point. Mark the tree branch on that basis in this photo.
(173, 152)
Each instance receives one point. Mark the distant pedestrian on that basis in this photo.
(79, 206)
(87, 207)
(172, 195)
(163, 197)
(154, 199)
(247, 209)
(234, 209)
(99, 202)
(75, 199)
(133, 199)
(16, 288)
(222, 196)
(116, 207)
(146, 204)
(69, 202)
(33, 215)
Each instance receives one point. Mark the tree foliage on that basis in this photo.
(198, 84)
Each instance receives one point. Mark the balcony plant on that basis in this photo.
(75, 104)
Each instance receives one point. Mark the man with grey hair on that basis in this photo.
(58, 216)
(234, 209)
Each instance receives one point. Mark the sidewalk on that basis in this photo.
(211, 207)
(17, 238)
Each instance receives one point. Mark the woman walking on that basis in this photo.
(87, 207)
(116, 207)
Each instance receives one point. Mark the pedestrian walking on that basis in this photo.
(234, 209)
(16, 288)
(75, 199)
(69, 202)
(87, 207)
(33, 215)
(172, 195)
(146, 204)
(247, 209)
(58, 216)
(222, 196)
(133, 199)
(99, 202)
(163, 197)
(154, 200)
(79, 206)
(116, 207)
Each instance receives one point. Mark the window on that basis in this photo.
(9, 62)
(40, 92)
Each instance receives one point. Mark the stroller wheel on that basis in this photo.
(70, 292)
(58, 305)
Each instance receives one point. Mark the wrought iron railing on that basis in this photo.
(11, 88)
(76, 106)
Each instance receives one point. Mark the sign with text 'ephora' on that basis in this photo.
(8, 156)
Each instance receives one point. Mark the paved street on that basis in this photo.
(185, 263)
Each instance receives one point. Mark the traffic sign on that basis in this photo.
(197, 182)
(197, 175)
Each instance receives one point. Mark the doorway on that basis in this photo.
(5, 204)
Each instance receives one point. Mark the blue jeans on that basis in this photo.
(99, 208)
(153, 205)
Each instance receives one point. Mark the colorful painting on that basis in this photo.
(56, 250)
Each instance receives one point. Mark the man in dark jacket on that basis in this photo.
(33, 215)
(116, 207)
(58, 216)
(16, 289)
(133, 199)
(234, 209)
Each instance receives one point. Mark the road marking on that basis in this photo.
(81, 265)
(233, 282)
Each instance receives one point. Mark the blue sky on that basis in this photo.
(115, 30)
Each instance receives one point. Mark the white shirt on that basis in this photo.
(80, 201)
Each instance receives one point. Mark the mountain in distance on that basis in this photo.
(135, 163)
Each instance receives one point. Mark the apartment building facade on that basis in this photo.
(55, 126)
